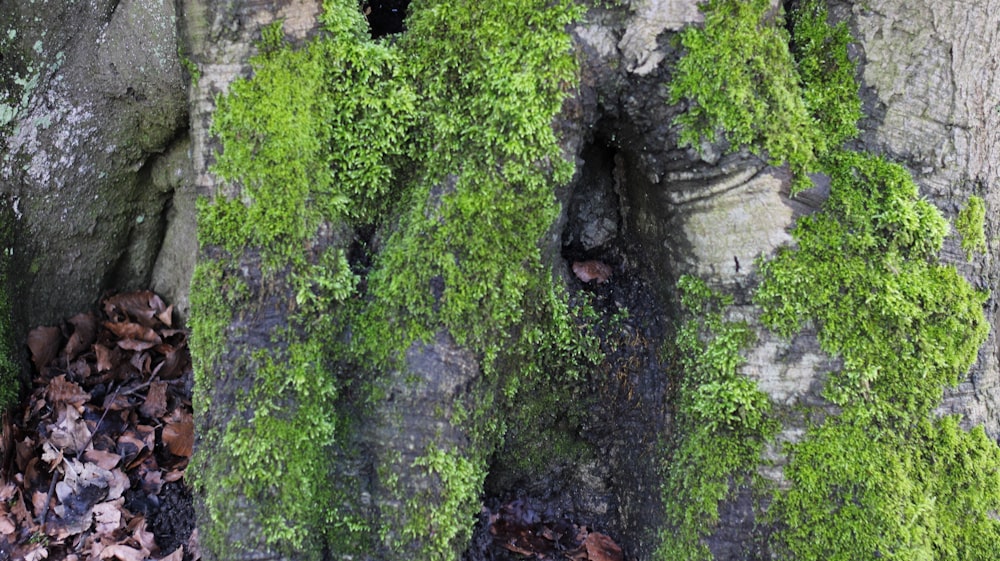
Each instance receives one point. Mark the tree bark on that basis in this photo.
(312, 444)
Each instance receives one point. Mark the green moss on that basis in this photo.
(884, 478)
(970, 225)
(10, 370)
(928, 492)
(455, 506)
(742, 80)
(866, 272)
(722, 422)
(444, 138)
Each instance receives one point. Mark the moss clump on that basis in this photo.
(884, 478)
(866, 272)
(722, 422)
(927, 491)
(10, 370)
(442, 138)
(743, 81)
(308, 141)
(970, 225)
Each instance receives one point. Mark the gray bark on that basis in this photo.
(94, 96)
(103, 175)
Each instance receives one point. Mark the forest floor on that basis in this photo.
(94, 458)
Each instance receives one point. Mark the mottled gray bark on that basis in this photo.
(94, 93)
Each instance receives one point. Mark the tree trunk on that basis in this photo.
(474, 264)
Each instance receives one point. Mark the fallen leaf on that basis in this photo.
(173, 475)
(19, 509)
(51, 455)
(178, 433)
(104, 356)
(141, 306)
(134, 331)
(44, 345)
(136, 344)
(70, 432)
(166, 316)
(61, 391)
(123, 553)
(118, 485)
(103, 458)
(194, 546)
(84, 333)
(7, 526)
(141, 534)
(602, 548)
(108, 516)
(39, 502)
(36, 554)
(155, 405)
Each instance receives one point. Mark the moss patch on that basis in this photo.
(884, 478)
(790, 98)
(442, 138)
(722, 422)
(884, 472)
(970, 225)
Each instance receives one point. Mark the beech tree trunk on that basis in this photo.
(104, 156)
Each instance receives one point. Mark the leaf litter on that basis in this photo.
(94, 460)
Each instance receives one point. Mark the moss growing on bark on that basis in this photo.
(884, 478)
(790, 98)
(452, 152)
(10, 370)
(722, 422)
(970, 225)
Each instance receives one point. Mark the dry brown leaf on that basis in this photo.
(108, 516)
(135, 344)
(19, 509)
(51, 455)
(44, 345)
(70, 432)
(173, 475)
(155, 405)
(130, 446)
(25, 452)
(141, 534)
(141, 361)
(7, 526)
(128, 330)
(178, 433)
(84, 333)
(166, 316)
(171, 366)
(39, 500)
(104, 361)
(104, 459)
(142, 306)
(36, 554)
(61, 391)
(118, 485)
(193, 546)
(602, 548)
(123, 553)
